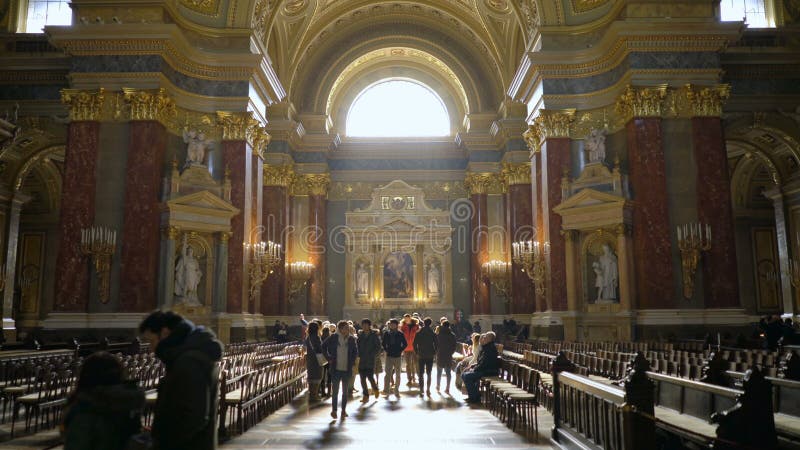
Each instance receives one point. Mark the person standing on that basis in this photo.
(445, 346)
(341, 350)
(487, 366)
(425, 349)
(369, 347)
(393, 344)
(103, 412)
(313, 367)
(409, 328)
(186, 409)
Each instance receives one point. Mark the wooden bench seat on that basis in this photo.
(687, 422)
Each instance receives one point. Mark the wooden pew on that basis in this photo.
(786, 406)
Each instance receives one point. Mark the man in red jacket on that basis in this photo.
(409, 329)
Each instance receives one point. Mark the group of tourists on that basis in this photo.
(104, 410)
(336, 352)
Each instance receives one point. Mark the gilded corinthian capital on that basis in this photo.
(83, 105)
(479, 183)
(311, 184)
(641, 102)
(514, 174)
(554, 123)
(533, 137)
(259, 139)
(282, 176)
(236, 125)
(149, 104)
(707, 101)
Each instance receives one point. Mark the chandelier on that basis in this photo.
(264, 258)
(499, 274)
(530, 255)
(298, 272)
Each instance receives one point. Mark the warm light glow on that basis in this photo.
(398, 108)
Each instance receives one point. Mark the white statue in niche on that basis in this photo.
(595, 145)
(187, 276)
(362, 280)
(196, 150)
(598, 280)
(432, 280)
(609, 271)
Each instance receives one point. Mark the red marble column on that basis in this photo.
(714, 208)
(651, 230)
(538, 217)
(275, 219)
(140, 231)
(556, 158)
(317, 213)
(77, 213)
(254, 305)
(480, 253)
(519, 207)
(235, 154)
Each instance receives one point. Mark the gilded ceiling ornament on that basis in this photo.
(707, 101)
(581, 6)
(235, 125)
(84, 105)
(205, 7)
(641, 102)
(261, 14)
(153, 104)
(554, 123)
(500, 6)
(293, 7)
(514, 174)
(282, 176)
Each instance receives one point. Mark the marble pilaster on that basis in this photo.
(275, 220)
(519, 218)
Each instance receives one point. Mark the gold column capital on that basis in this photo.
(312, 184)
(282, 176)
(149, 104)
(171, 232)
(479, 182)
(224, 237)
(554, 123)
(259, 140)
(236, 126)
(533, 137)
(641, 101)
(84, 105)
(516, 173)
(707, 101)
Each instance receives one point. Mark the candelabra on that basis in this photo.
(530, 255)
(264, 257)
(692, 239)
(377, 305)
(299, 273)
(499, 274)
(421, 304)
(100, 243)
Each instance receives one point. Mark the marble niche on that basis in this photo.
(397, 255)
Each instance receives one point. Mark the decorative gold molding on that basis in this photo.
(513, 174)
(259, 139)
(312, 184)
(150, 104)
(707, 101)
(236, 126)
(282, 176)
(84, 105)
(204, 7)
(554, 123)
(224, 237)
(171, 232)
(533, 137)
(641, 102)
(480, 182)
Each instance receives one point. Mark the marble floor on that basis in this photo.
(439, 422)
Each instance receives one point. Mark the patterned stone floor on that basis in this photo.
(438, 422)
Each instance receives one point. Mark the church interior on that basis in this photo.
(612, 186)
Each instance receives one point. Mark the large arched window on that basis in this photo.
(46, 12)
(398, 108)
(755, 13)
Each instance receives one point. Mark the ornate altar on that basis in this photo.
(196, 219)
(596, 222)
(398, 256)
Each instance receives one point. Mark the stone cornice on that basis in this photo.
(84, 105)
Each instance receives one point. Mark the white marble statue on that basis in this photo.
(432, 280)
(196, 150)
(595, 145)
(362, 280)
(608, 264)
(187, 276)
(598, 280)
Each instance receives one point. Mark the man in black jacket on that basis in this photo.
(185, 411)
(425, 349)
(393, 343)
(487, 366)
